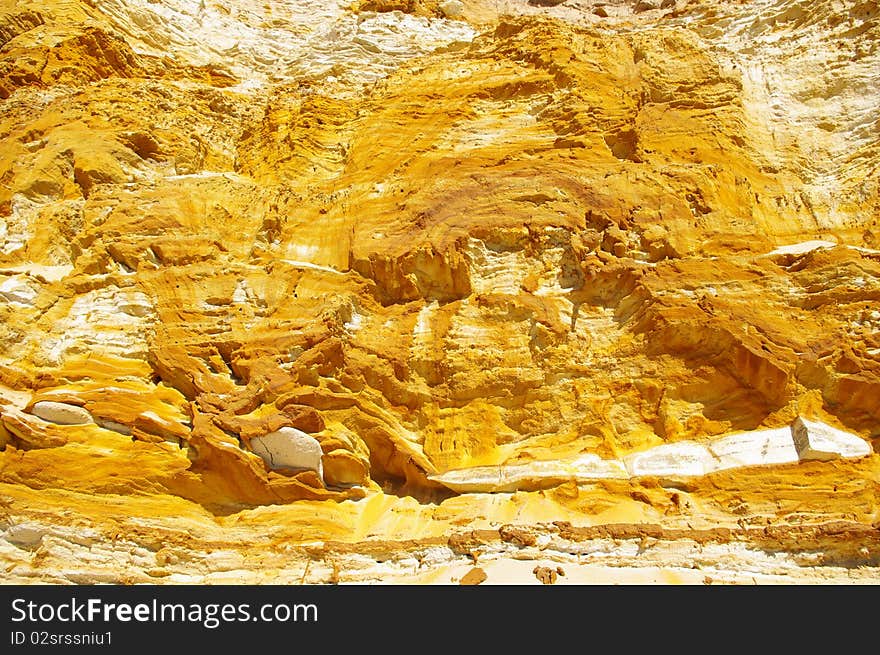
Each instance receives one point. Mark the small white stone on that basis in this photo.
(61, 413)
(290, 448)
(815, 440)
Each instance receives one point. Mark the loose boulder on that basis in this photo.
(61, 413)
(289, 448)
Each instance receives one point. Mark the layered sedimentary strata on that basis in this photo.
(370, 274)
(803, 440)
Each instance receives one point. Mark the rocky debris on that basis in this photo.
(61, 413)
(546, 575)
(473, 577)
(289, 448)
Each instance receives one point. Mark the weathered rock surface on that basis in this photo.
(505, 263)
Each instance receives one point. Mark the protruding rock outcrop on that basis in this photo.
(61, 413)
(289, 448)
(815, 440)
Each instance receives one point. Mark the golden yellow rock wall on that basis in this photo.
(434, 237)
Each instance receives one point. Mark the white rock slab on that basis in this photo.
(591, 467)
(114, 426)
(802, 247)
(755, 448)
(803, 440)
(531, 475)
(61, 413)
(815, 440)
(475, 479)
(289, 448)
(17, 290)
(681, 458)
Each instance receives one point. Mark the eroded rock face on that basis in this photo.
(563, 261)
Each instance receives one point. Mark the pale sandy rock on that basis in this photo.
(453, 9)
(61, 413)
(109, 320)
(25, 535)
(818, 441)
(682, 458)
(17, 290)
(802, 247)
(114, 426)
(289, 448)
(41, 272)
(223, 560)
(755, 448)
(287, 40)
(532, 475)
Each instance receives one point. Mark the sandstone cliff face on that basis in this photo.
(539, 281)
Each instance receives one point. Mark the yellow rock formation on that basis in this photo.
(541, 279)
